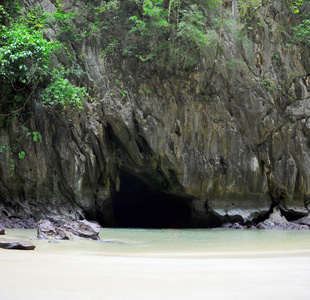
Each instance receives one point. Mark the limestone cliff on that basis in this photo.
(230, 148)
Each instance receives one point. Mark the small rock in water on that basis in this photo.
(53, 242)
(236, 225)
(7, 244)
(2, 231)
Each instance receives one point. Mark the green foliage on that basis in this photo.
(111, 47)
(267, 83)
(12, 167)
(24, 53)
(36, 136)
(170, 33)
(248, 8)
(25, 68)
(302, 31)
(63, 93)
(9, 9)
(21, 154)
(124, 93)
(63, 23)
(4, 147)
(294, 5)
(180, 41)
(192, 39)
(25, 57)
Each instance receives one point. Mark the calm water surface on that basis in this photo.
(160, 264)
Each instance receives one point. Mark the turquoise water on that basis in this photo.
(205, 242)
(171, 242)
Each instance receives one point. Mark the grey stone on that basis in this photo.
(68, 231)
(46, 230)
(7, 244)
(83, 229)
(277, 221)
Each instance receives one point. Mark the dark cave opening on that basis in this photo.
(137, 206)
(292, 216)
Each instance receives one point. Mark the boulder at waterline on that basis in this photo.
(68, 231)
(2, 231)
(46, 230)
(84, 229)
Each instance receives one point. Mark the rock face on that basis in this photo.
(68, 231)
(18, 223)
(229, 150)
(7, 244)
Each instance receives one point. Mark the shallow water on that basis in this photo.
(160, 264)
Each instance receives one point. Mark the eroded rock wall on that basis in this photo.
(236, 146)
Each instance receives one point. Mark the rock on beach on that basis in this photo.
(68, 231)
(7, 244)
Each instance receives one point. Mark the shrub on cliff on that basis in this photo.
(25, 62)
(169, 33)
(302, 31)
(24, 54)
(62, 93)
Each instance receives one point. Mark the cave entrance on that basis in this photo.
(136, 206)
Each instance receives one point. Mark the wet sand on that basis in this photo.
(137, 267)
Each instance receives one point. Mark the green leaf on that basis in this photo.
(21, 155)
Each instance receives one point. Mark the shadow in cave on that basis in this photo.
(136, 206)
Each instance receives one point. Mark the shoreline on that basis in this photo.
(280, 224)
(125, 250)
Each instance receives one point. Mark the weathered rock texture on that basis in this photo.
(7, 244)
(7, 222)
(233, 148)
(68, 231)
(277, 221)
